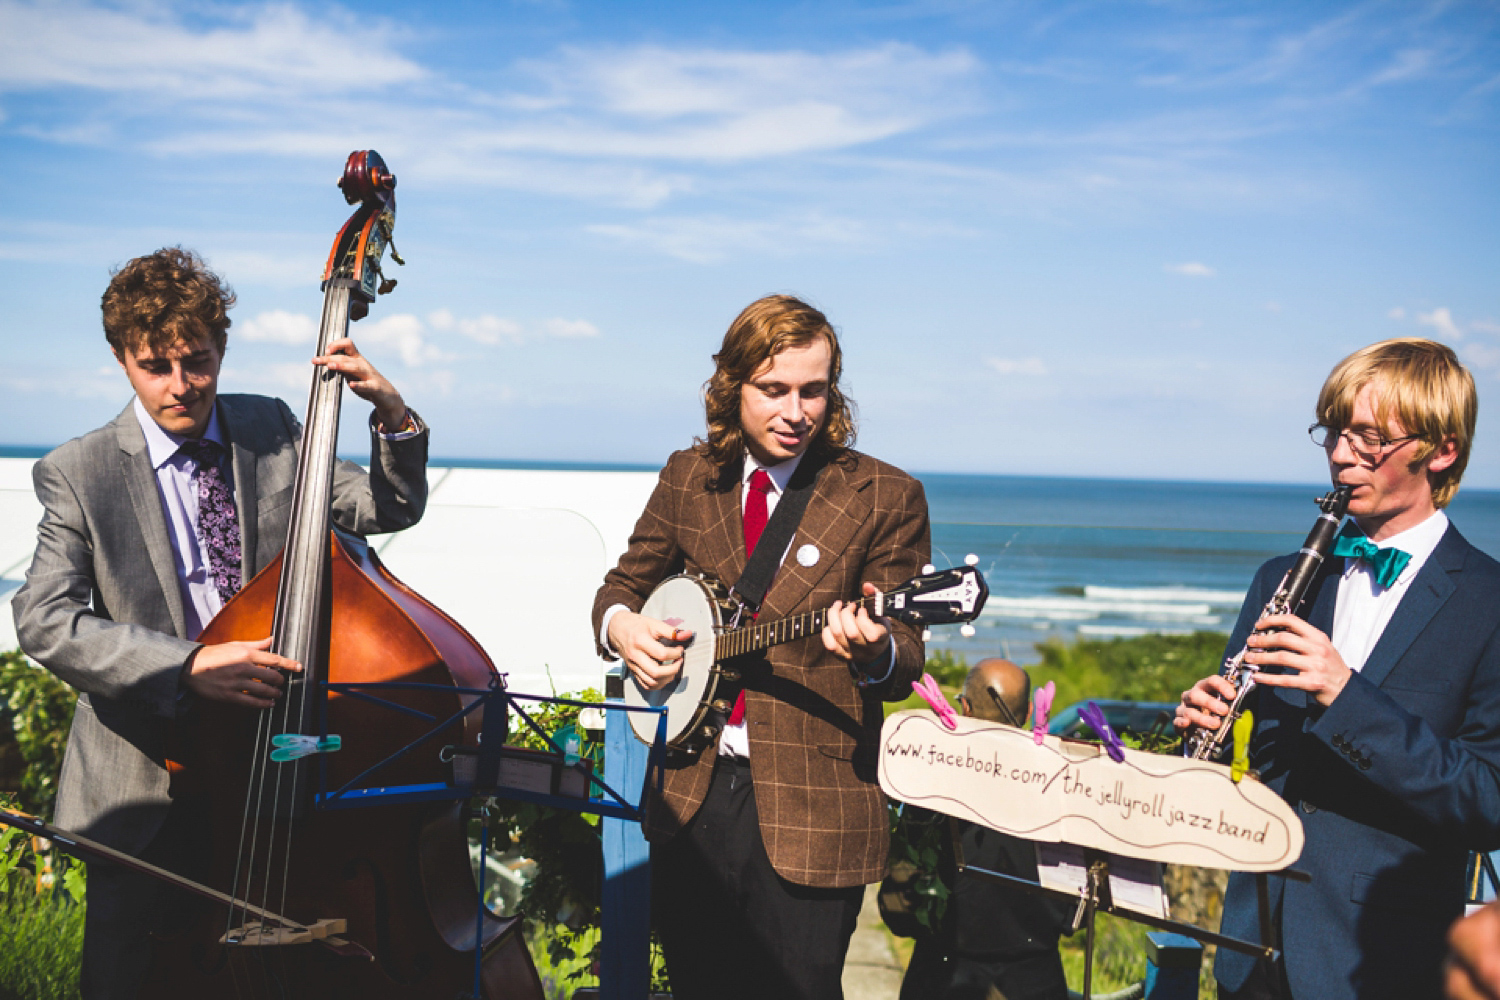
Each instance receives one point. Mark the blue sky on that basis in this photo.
(1114, 239)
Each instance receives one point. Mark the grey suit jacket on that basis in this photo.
(102, 607)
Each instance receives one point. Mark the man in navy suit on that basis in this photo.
(1378, 717)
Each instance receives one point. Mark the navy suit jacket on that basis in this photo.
(1395, 783)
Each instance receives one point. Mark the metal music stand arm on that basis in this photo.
(1263, 951)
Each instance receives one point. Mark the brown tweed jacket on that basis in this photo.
(813, 733)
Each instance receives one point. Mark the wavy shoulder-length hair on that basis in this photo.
(767, 327)
(1419, 384)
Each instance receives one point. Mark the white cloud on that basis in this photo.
(1441, 320)
(286, 378)
(492, 330)
(725, 104)
(484, 329)
(1485, 326)
(280, 327)
(569, 329)
(1397, 313)
(708, 239)
(404, 333)
(1017, 366)
(105, 382)
(1191, 269)
(1482, 356)
(149, 50)
(596, 122)
(1407, 65)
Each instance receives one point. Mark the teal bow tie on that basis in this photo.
(1387, 563)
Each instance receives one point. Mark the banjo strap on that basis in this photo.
(756, 579)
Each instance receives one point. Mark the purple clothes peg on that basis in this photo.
(933, 695)
(1094, 716)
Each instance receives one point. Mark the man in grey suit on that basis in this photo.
(151, 523)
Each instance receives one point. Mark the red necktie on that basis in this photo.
(755, 522)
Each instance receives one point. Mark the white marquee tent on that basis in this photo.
(514, 555)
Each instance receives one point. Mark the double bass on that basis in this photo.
(368, 903)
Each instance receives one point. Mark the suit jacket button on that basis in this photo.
(1364, 763)
(1338, 741)
(1308, 807)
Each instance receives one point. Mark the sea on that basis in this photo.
(1070, 559)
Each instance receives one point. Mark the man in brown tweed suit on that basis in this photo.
(760, 851)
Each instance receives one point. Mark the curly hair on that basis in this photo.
(1423, 386)
(163, 299)
(764, 329)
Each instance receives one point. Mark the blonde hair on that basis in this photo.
(764, 329)
(1422, 386)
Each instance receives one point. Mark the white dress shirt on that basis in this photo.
(1364, 607)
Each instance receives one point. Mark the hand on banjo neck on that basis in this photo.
(652, 649)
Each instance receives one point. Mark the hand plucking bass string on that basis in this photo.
(247, 673)
(652, 649)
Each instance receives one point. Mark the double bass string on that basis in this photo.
(295, 633)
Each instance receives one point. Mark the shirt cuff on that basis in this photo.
(413, 427)
(866, 678)
(610, 653)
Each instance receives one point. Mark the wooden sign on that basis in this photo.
(1167, 809)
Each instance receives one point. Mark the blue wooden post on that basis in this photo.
(1172, 962)
(625, 920)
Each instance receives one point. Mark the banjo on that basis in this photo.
(701, 696)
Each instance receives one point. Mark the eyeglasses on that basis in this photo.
(1367, 442)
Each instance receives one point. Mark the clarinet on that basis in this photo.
(1204, 744)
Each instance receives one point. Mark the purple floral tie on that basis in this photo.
(218, 524)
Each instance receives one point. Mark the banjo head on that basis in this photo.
(684, 602)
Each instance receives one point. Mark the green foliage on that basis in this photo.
(1119, 954)
(1141, 668)
(917, 843)
(41, 919)
(948, 670)
(561, 898)
(38, 709)
(564, 845)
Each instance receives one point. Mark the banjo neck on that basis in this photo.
(754, 638)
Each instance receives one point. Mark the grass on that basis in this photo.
(41, 943)
(41, 925)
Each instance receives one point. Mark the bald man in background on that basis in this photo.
(995, 941)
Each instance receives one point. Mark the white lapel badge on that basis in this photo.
(807, 555)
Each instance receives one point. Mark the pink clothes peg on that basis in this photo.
(933, 695)
(1041, 701)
